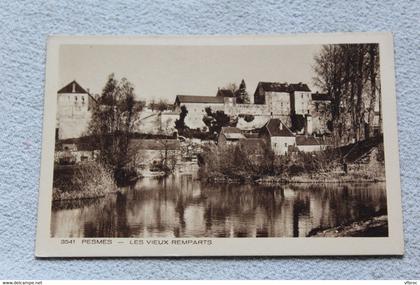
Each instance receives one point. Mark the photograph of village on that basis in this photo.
(219, 141)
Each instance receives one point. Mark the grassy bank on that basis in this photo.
(84, 181)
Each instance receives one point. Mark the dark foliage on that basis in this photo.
(180, 123)
(216, 120)
(241, 94)
(298, 122)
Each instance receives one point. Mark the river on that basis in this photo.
(180, 206)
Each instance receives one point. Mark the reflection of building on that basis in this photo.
(73, 111)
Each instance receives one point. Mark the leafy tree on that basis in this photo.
(241, 94)
(298, 122)
(180, 123)
(112, 122)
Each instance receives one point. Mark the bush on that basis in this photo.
(247, 118)
(89, 180)
(236, 163)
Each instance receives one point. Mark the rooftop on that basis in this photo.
(251, 144)
(199, 99)
(72, 87)
(154, 144)
(231, 130)
(306, 140)
(274, 86)
(321, 97)
(225, 93)
(283, 87)
(276, 128)
(232, 133)
(299, 87)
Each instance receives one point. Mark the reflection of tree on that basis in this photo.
(121, 216)
(163, 206)
(300, 207)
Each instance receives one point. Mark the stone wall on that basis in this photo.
(155, 122)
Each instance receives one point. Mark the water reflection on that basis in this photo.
(180, 206)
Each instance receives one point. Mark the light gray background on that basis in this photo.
(24, 27)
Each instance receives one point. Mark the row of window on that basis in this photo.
(76, 98)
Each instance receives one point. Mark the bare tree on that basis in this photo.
(349, 73)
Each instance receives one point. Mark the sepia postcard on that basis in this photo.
(220, 146)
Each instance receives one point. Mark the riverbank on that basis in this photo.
(356, 177)
(322, 178)
(81, 181)
(59, 195)
(371, 227)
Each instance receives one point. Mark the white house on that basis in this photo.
(278, 135)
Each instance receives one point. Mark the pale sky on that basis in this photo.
(162, 72)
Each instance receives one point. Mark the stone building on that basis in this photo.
(276, 96)
(74, 105)
(288, 102)
(294, 104)
(300, 98)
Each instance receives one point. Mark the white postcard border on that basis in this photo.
(391, 245)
